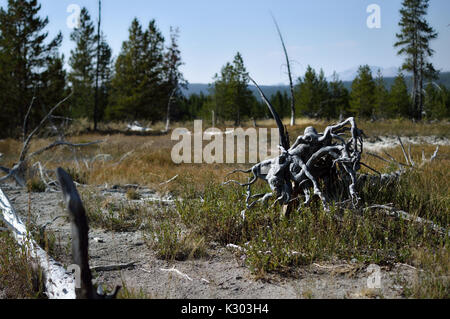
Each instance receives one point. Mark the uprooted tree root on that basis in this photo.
(326, 163)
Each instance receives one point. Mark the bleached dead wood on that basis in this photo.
(19, 170)
(315, 158)
(386, 178)
(43, 175)
(58, 283)
(391, 211)
(169, 181)
(179, 273)
(137, 127)
(123, 158)
(169, 104)
(326, 163)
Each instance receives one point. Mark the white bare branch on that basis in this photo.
(58, 283)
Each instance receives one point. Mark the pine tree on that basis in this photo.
(313, 98)
(105, 74)
(173, 76)
(53, 84)
(306, 88)
(138, 82)
(362, 96)
(414, 43)
(82, 63)
(232, 99)
(155, 98)
(399, 100)
(25, 54)
(381, 95)
(322, 96)
(128, 81)
(435, 105)
(339, 98)
(243, 95)
(281, 103)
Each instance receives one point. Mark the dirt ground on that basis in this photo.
(222, 275)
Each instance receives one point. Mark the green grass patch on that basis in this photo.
(281, 245)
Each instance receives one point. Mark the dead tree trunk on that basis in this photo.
(288, 65)
(169, 104)
(58, 283)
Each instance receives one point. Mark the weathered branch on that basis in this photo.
(27, 141)
(62, 143)
(406, 216)
(18, 172)
(284, 137)
(24, 132)
(403, 150)
(169, 181)
(288, 64)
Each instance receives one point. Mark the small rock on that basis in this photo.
(99, 240)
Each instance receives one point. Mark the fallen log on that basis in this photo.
(114, 267)
(391, 211)
(59, 284)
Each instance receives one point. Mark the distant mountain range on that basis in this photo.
(350, 74)
(389, 75)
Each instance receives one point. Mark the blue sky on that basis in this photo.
(328, 34)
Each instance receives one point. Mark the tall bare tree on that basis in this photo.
(288, 65)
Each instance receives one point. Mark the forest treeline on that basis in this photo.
(144, 79)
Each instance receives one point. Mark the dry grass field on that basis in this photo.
(206, 215)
